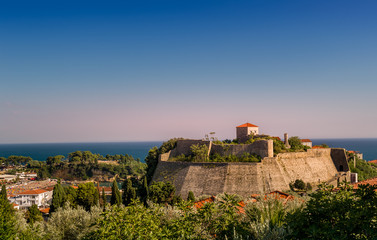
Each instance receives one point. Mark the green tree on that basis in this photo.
(144, 193)
(54, 160)
(103, 198)
(7, 217)
(152, 157)
(115, 194)
(132, 222)
(296, 144)
(199, 152)
(341, 214)
(58, 197)
(161, 192)
(69, 223)
(33, 214)
(87, 195)
(43, 173)
(191, 197)
(129, 192)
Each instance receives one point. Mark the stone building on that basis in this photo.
(245, 130)
(307, 142)
(26, 199)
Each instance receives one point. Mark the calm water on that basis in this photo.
(367, 146)
(40, 151)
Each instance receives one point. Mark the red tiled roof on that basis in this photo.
(44, 210)
(32, 192)
(200, 204)
(371, 181)
(247, 125)
(306, 140)
(277, 195)
(317, 147)
(15, 204)
(373, 161)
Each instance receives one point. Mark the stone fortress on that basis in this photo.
(313, 166)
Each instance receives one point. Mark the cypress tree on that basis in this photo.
(145, 190)
(129, 192)
(33, 214)
(7, 218)
(58, 198)
(103, 197)
(191, 197)
(115, 194)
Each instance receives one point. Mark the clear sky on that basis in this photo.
(73, 71)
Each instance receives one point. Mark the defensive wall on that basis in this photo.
(272, 173)
(263, 148)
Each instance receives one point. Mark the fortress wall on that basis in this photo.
(273, 173)
(200, 178)
(340, 159)
(164, 156)
(313, 166)
(243, 179)
(263, 148)
(183, 146)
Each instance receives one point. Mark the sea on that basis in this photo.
(41, 151)
(139, 150)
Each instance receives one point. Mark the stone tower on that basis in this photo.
(286, 142)
(245, 130)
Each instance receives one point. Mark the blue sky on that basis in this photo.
(73, 71)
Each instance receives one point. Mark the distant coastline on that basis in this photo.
(40, 151)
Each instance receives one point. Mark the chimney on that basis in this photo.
(286, 143)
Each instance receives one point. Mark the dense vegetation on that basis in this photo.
(80, 165)
(153, 154)
(364, 169)
(329, 214)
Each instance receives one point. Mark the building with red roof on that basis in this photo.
(26, 199)
(371, 181)
(245, 130)
(307, 142)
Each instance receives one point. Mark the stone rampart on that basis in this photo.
(263, 148)
(272, 173)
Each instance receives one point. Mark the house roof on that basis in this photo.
(44, 210)
(200, 204)
(371, 181)
(247, 125)
(317, 147)
(373, 161)
(32, 192)
(306, 140)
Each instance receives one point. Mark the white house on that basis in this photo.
(27, 198)
(245, 130)
(307, 142)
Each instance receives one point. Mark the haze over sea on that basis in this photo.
(40, 151)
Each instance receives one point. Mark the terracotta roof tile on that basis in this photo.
(247, 125)
(373, 161)
(200, 204)
(371, 181)
(32, 192)
(44, 210)
(306, 140)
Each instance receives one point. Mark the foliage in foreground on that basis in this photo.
(364, 169)
(337, 214)
(330, 213)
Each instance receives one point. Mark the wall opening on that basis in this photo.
(341, 168)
